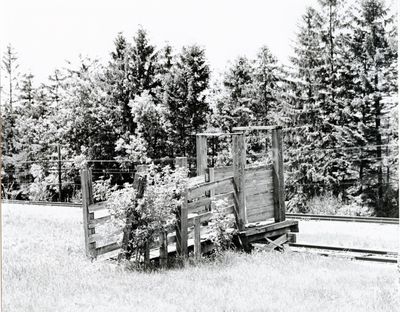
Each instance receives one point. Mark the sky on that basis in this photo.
(46, 33)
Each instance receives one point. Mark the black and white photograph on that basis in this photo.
(187, 155)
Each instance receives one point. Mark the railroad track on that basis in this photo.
(344, 252)
(301, 216)
(41, 203)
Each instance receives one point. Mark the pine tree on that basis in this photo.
(374, 61)
(185, 99)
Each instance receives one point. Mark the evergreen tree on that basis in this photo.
(374, 61)
(185, 99)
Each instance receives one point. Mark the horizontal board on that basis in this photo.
(192, 182)
(252, 189)
(97, 206)
(199, 191)
(259, 199)
(107, 248)
(99, 221)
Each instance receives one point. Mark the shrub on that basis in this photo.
(144, 218)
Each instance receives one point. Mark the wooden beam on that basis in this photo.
(277, 165)
(85, 209)
(197, 241)
(251, 128)
(163, 249)
(201, 153)
(182, 227)
(239, 164)
(277, 243)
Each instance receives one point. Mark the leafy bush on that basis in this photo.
(152, 214)
(102, 189)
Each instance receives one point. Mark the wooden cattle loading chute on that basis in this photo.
(254, 195)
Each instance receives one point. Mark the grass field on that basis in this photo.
(44, 269)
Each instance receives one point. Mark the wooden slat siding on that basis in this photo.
(197, 242)
(85, 210)
(107, 248)
(277, 160)
(261, 215)
(163, 249)
(199, 190)
(239, 164)
(251, 128)
(201, 153)
(269, 227)
(258, 200)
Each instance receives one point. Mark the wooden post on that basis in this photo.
(59, 173)
(277, 163)
(85, 209)
(182, 227)
(197, 241)
(239, 164)
(201, 153)
(210, 177)
(163, 249)
(90, 184)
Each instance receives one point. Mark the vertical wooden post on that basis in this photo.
(85, 209)
(163, 249)
(239, 164)
(197, 241)
(201, 153)
(182, 227)
(210, 177)
(90, 186)
(277, 163)
(59, 172)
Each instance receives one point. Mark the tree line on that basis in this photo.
(336, 100)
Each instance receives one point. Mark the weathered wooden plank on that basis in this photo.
(163, 249)
(202, 202)
(211, 178)
(107, 248)
(197, 242)
(260, 237)
(259, 199)
(193, 182)
(97, 206)
(223, 170)
(277, 160)
(85, 210)
(182, 227)
(201, 153)
(277, 243)
(269, 227)
(99, 221)
(239, 164)
(253, 189)
(199, 190)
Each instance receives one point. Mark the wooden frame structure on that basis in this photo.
(254, 196)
